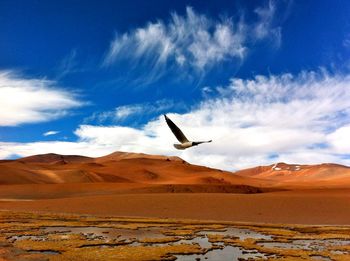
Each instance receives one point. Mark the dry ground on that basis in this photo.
(322, 206)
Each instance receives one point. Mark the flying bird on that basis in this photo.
(185, 143)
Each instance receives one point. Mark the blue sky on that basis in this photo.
(266, 80)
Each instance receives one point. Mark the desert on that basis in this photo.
(132, 184)
(165, 189)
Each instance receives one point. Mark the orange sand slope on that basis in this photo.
(163, 174)
(134, 168)
(322, 175)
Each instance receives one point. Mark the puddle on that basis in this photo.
(316, 257)
(109, 233)
(281, 245)
(34, 238)
(229, 253)
(225, 253)
(58, 229)
(151, 232)
(106, 245)
(307, 244)
(48, 252)
(242, 233)
(201, 241)
(314, 244)
(339, 252)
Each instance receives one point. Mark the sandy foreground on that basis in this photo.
(322, 206)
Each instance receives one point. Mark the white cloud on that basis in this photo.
(50, 133)
(339, 140)
(26, 100)
(7, 149)
(121, 113)
(297, 119)
(118, 114)
(193, 40)
(125, 111)
(263, 27)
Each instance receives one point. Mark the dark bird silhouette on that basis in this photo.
(185, 143)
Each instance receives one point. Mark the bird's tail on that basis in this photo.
(195, 143)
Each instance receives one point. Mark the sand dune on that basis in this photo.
(320, 175)
(121, 167)
(55, 158)
(118, 155)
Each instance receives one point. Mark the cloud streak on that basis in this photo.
(193, 42)
(121, 113)
(192, 39)
(26, 100)
(50, 133)
(264, 26)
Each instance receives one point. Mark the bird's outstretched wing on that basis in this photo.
(176, 130)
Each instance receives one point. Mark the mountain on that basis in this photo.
(147, 173)
(118, 155)
(157, 173)
(326, 174)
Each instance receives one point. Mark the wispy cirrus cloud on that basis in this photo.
(264, 26)
(50, 133)
(29, 100)
(193, 42)
(68, 64)
(123, 112)
(293, 118)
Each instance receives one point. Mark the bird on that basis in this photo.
(185, 143)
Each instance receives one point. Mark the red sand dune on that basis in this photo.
(52, 158)
(321, 175)
(157, 173)
(122, 167)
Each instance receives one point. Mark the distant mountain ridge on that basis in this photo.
(297, 173)
(154, 173)
(54, 158)
(167, 171)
